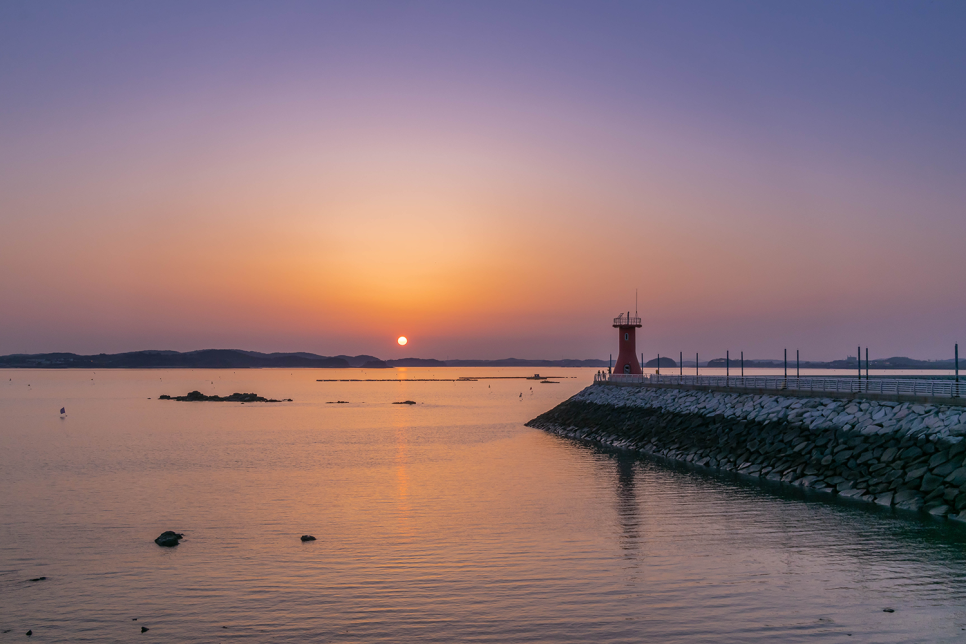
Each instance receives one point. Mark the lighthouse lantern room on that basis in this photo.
(627, 355)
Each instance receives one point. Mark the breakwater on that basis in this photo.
(907, 455)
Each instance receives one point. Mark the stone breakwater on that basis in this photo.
(905, 455)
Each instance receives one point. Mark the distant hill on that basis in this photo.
(358, 361)
(518, 362)
(239, 359)
(416, 362)
(205, 359)
(850, 363)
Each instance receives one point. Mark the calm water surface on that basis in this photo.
(444, 521)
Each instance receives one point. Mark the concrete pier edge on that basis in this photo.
(905, 455)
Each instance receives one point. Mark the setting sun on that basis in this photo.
(402, 340)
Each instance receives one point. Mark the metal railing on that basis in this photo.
(627, 320)
(885, 386)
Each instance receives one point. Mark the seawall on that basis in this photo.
(911, 456)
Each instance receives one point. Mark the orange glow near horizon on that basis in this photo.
(494, 201)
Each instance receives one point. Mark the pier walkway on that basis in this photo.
(947, 392)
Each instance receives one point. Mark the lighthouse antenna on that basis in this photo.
(635, 303)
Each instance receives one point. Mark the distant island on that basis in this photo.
(239, 359)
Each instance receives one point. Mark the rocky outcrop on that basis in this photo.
(168, 539)
(197, 396)
(905, 455)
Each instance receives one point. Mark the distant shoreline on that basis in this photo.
(239, 359)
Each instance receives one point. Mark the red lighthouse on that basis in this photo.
(627, 356)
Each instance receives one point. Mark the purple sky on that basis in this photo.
(488, 179)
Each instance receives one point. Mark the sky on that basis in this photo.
(488, 179)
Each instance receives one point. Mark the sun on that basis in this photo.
(402, 340)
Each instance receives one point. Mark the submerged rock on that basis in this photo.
(307, 537)
(405, 402)
(168, 539)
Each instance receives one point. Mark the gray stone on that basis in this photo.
(930, 483)
(917, 472)
(938, 459)
(912, 504)
(884, 498)
(905, 495)
(910, 453)
(945, 469)
(939, 510)
(937, 493)
(843, 456)
(957, 477)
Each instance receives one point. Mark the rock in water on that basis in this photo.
(144, 629)
(406, 402)
(307, 537)
(168, 539)
(29, 633)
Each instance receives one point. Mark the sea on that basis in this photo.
(447, 520)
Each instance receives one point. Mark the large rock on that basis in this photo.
(168, 539)
(910, 453)
(945, 469)
(938, 509)
(938, 459)
(912, 504)
(888, 455)
(884, 499)
(957, 477)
